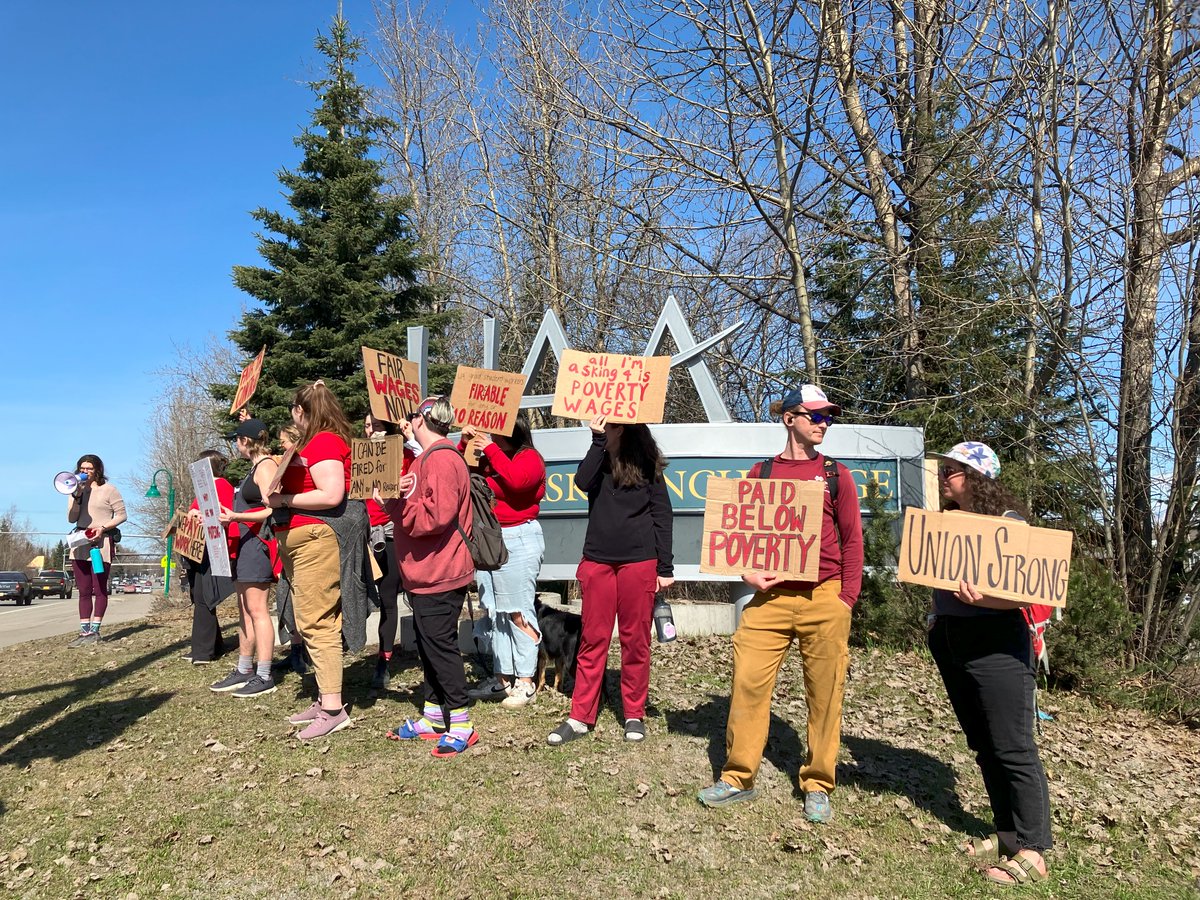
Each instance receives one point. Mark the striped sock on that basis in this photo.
(85, 627)
(460, 723)
(94, 627)
(431, 718)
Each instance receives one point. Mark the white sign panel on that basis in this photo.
(210, 511)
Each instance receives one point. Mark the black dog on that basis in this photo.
(559, 646)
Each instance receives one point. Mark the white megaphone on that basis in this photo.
(66, 482)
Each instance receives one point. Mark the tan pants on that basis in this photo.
(313, 566)
(821, 622)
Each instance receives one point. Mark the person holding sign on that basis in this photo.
(96, 507)
(817, 614)
(984, 653)
(309, 498)
(627, 559)
(206, 590)
(253, 566)
(516, 473)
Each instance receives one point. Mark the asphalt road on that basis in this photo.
(50, 616)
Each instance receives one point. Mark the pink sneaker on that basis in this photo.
(305, 716)
(325, 724)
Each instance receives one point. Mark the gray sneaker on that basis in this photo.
(817, 807)
(488, 690)
(232, 681)
(83, 639)
(256, 686)
(724, 794)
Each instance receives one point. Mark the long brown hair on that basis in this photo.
(322, 412)
(988, 496)
(639, 461)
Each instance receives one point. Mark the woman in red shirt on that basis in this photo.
(206, 590)
(311, 496)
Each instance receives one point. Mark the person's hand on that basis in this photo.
(408, 483)
(967, 593)
(243, 414)
(94, 533)
(405, 429)
(377, 497)
(275, 500)
(468, 432)
(761, 582)
(194, 514)
(597, 424)
(482, 439)
(662, 582)
(226, 516)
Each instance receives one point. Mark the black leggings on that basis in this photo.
(986, 665)
(389, 590)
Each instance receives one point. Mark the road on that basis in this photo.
(50, 616)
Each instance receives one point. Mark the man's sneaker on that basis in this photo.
(488, 690)
(325, 724)
(83, 639)
(379, 681)
(232, 681)
(723, 794)
(519, 695)
(817, 808)
(256, 686)
(305, 715)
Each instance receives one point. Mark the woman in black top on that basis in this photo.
(626, 561)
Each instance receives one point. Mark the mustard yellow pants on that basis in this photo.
(313, 565)
(820, 621)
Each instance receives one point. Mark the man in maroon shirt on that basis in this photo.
(817, 614)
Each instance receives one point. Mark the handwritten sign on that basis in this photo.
(486, 399)
(248, 383)
(393, 385)
(623, 388)
(210, 512)
(284, 461)
(376, 464)
(1002, 557)
(189, 539)
(762, 525)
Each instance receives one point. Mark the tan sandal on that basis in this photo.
(987, 849)
(1021, 870)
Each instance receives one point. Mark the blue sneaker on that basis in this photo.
(723, 794)
(817, 808)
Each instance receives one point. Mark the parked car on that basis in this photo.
(15, 586)
(52, 581)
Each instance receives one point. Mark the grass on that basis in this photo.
(121, 775)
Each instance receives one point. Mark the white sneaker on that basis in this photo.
(520, 694)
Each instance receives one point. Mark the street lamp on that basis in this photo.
(153, 494)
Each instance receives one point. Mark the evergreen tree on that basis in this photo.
(342, 270)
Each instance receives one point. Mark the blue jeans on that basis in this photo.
(511, 590)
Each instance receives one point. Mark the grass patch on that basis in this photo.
(122, 774)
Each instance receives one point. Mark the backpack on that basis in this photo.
(486, 539)
(831, 483)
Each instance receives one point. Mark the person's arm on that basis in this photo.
(521, 474)
(437, 496)
(329, 478)
(591, 468)
(849, 522)
(660, 517)
(74, 508)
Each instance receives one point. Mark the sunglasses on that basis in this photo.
(948, 471)
(815, 417)
(413, 416)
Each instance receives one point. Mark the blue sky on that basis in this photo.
(139, 137)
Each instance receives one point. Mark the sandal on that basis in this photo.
(635, 730)
(987, 849)
(449, 745)
(563, 734)
(1020, 869)
(411, 731)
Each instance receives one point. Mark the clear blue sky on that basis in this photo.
(139, 136)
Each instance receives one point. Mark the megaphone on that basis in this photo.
(66, 482)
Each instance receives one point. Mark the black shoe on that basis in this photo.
(230, 682)
(256, 686)
(379, 681)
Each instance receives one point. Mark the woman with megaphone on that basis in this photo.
(96, 509)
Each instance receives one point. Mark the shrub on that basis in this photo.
(1087, 648)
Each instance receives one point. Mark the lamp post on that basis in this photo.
(154, 494)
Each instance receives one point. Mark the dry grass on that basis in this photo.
(122, 775)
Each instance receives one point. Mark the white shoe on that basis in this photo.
(520, 694)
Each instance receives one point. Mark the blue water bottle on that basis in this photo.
(97, 561)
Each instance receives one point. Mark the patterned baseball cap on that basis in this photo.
(811, 398)
(977, 455)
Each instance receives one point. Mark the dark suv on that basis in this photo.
(52, 581)
(15, 586)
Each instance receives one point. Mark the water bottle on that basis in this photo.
(664, 622)
(98, 564)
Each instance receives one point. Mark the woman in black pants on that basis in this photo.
(983, 650)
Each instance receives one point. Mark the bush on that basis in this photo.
(1087, 648)
(888, 614)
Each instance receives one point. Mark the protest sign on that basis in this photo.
(486, 399)
(210, 512)
(769, 526)
(277, 482)
(248, 383)
(1000, 556)
(393, 385)
(376, 464)
(189, 539)
(172, 525)
(624, 388)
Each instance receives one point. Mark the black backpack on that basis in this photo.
(831, 482)
(486, 540)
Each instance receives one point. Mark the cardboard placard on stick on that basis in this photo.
(769, 526)
(189, 539)
(248, 383)
(393, 385)
(376, 464)
(487, 399)
(210, 512)
(1002, 557)
(624, 388)
(171, 527)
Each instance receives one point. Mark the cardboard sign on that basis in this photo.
(763, 525)
(171, 527)
(248, 383)
(277, 481)
(210, 511)
(624, 388)
(189, 539)
(473, 452)
(393, 385)
(376, 464)
(1002, 557)
(486, 399)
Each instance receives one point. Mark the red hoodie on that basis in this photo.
(432, 554)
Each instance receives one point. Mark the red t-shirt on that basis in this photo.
(297, 477)
(225, 498)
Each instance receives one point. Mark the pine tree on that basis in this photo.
(342, 270)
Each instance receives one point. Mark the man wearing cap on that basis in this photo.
(432, 519)
(817, 614)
